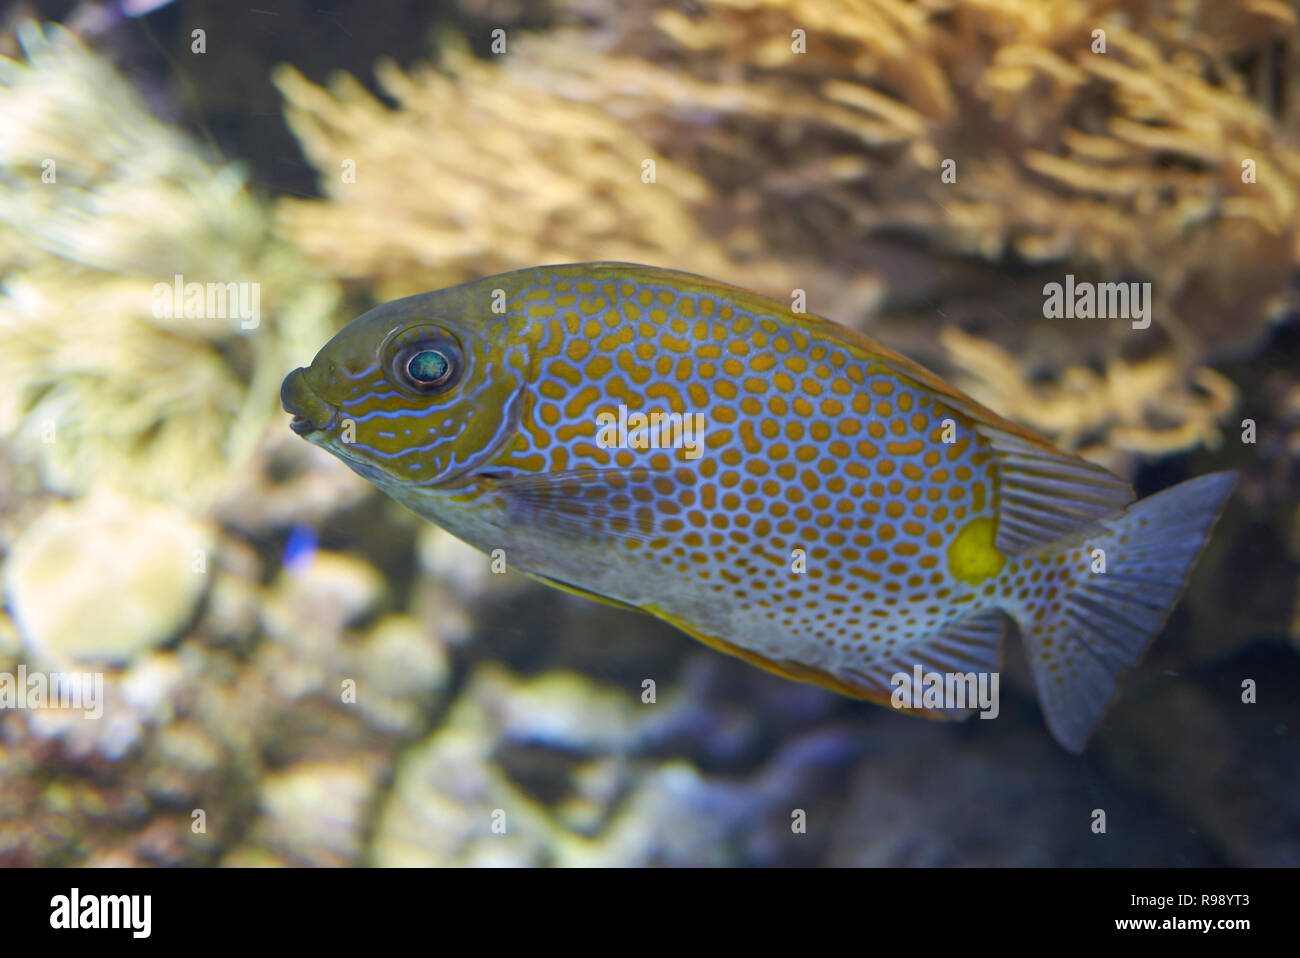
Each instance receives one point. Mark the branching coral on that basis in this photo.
(478, 172)
(1152, 406)
(100, 203)
(1127, 157)
(788, 133)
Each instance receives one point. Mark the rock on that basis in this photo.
(929, 794)
(313, 812)
(471, 793)
(103, 579)
(305, 615)
(11, 644)
(450, 806)
(1230, 768)
(400, 669)
(323, 596)
(460, 566)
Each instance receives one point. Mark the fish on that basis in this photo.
(780, 487)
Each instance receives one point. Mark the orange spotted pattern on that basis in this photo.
(820, 510)
(778, 486)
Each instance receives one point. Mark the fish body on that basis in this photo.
(780, 487)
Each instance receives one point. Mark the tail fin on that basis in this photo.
(1103, 622)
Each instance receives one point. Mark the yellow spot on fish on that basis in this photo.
(972, 556)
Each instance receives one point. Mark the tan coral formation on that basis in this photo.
(1127, 163)
(1151, 406)
(101, 205)
(1061, 149)
(477, 172)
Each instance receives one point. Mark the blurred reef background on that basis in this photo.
(159, 522)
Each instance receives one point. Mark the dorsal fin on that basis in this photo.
(1044, 495)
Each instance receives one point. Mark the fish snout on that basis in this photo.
(310, 412)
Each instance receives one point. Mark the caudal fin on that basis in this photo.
(1080, 644)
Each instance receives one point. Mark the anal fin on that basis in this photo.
(971, 644)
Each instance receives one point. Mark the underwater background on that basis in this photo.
(298, 671)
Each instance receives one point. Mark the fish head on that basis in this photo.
(414, 393)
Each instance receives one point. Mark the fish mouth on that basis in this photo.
(310, 412)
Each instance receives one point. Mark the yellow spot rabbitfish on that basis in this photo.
(778, 486)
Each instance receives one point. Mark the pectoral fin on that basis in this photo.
(600, 504)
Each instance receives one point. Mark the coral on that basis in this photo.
(1153, 406)
(552, 769)
(1123, 163)
(105, 578)
(101, 205)
(477, 172)
(1130, 160)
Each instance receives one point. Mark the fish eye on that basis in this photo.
(428, 368)
(423, 359)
